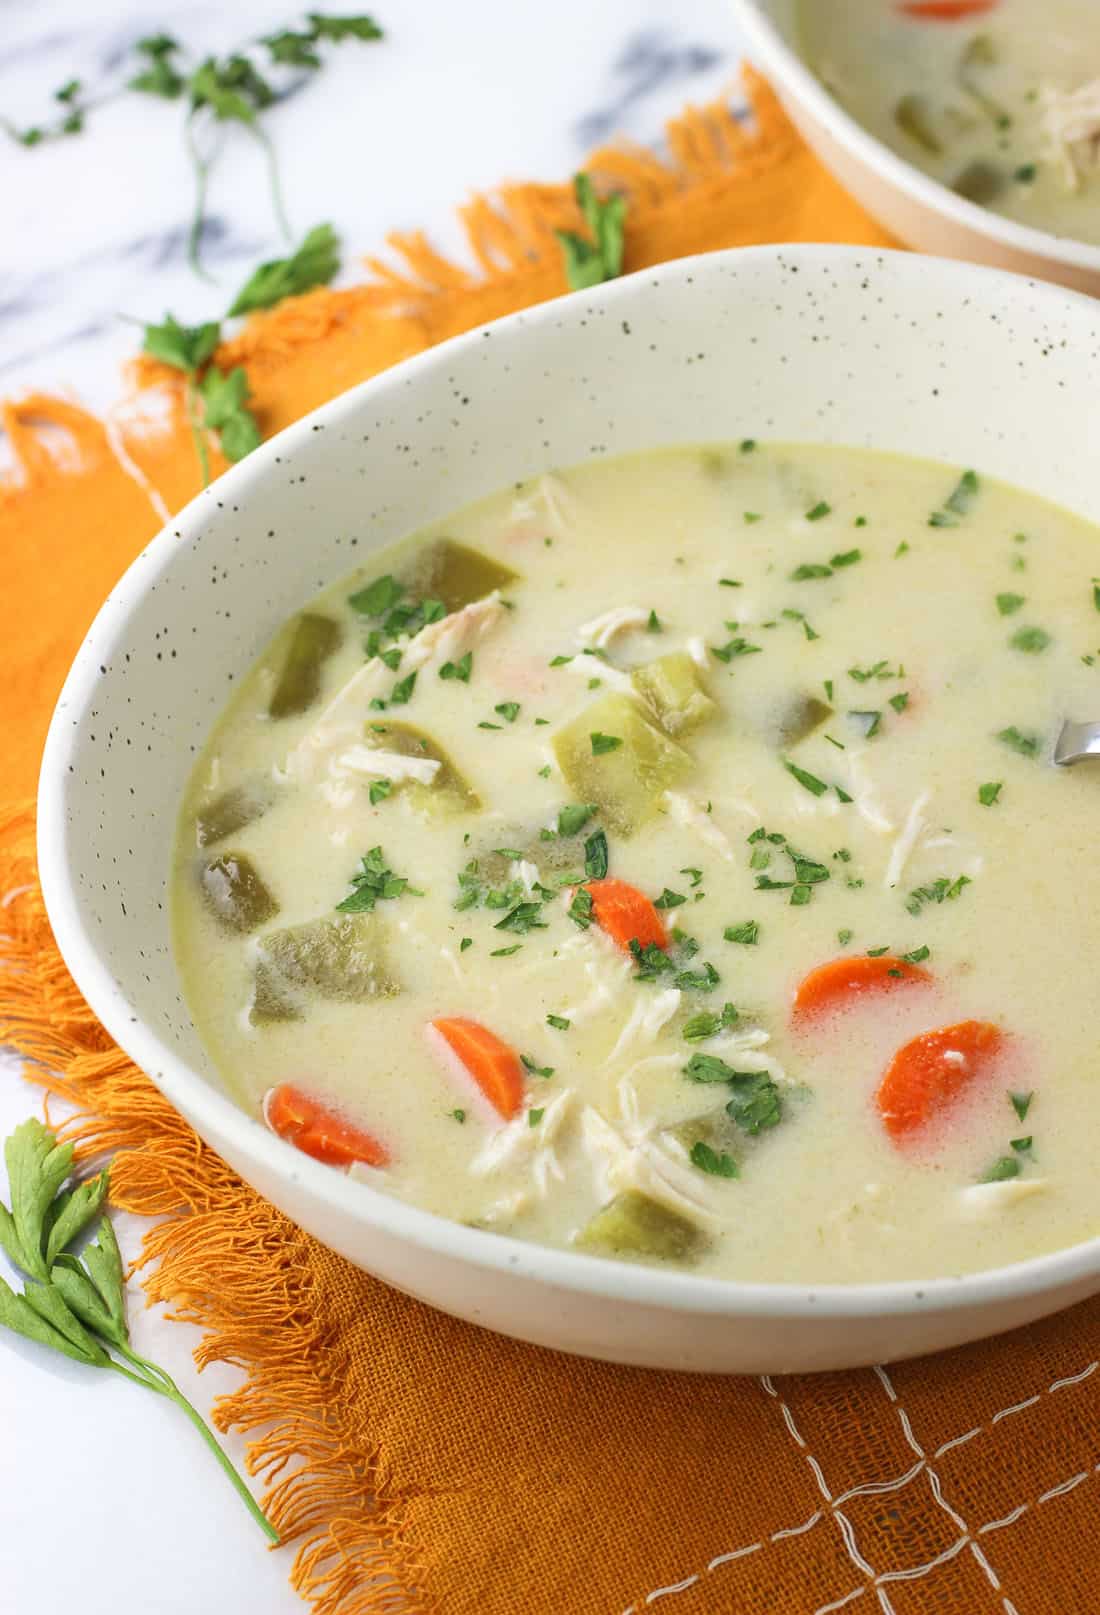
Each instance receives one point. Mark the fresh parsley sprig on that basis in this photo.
(591, 259)
(73, 1303)
(216, 400)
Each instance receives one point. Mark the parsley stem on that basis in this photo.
(277, 203)
(201, 168)
(197, 431)
(155, 1379)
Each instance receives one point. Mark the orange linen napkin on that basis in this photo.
(424, 1467)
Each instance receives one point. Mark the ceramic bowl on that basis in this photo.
(812, 344)
(913, 206)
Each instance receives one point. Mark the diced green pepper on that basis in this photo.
(714, 1127)
(449, 791)
(980, 182)
(235, 894)
(456, 575)
(673, 687)
(241, 805)
(913, 119)
(341, 958)
(799, 717)
(634, 1225)
(626, 780)
(271, 999)
(312, 641)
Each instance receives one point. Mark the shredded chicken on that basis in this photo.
(594, 667)
(518, 1144)
(549, 502)
(691, 816)
(905, 845)
(651, 1012)
(1072, 122)
(984, 1200)
(341, 723)
(391, 765)
(628, 1154)
(607, 970)
(602, 630)
(865, 796)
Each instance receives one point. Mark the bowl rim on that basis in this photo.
(213, 1111)
(791, 69)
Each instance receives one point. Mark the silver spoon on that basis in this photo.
(1076, 742)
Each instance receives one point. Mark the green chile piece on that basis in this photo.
(673, 687)
(342, 958)
(714, 1127)
(913, 118)
(798, 718)
(980, 182)
(449, 792)
(233, 810)
(456, 575)
(627, 781)
(312, 641)
(272, 1000)
(634, 1225)
(235, 894)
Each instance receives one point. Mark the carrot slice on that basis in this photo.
(946, 10)
(930, 1073)
(493, 1064)
(626, 914)
(839, 983)
(319, 1130)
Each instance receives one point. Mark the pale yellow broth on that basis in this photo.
(1004, 106)
(825, 1195)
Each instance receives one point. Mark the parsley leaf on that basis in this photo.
(1016, 740)
(707, 1023)
(604, 743)
(1021, 1103)
(459, 670)
(558, 1022)
(669, 899)
(313, 263)
(990, 792)
(372, 882)
(756, 1102)
(589, 260)
(708, 1160)
(819, 510)
(573, 818)
(224, 397)
(748, 933)
(595, 856)
(1030, 640)
(184, 347)
(1008, 603)
(810, 782)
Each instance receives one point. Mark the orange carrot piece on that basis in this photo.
(946, 10)
(493, 1064)
(319, 1130)
(841, 982)
(626, 914)
(930, 1073)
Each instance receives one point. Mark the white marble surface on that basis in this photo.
(109, 1501)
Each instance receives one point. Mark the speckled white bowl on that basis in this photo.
(820, 344)
(915, 207)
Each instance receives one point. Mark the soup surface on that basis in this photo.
(665, 860)
(998, 99)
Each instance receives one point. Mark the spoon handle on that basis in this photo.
(1076, 742)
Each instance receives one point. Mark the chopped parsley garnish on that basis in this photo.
(379, 790)
(877, 953)
(809, 782)
(756, 1102)
(604, 743)
(735, 647)
(735, 583)
(1016, 740)
(595, 856)
(654, 964)
(708, 1023)
(957, 503)
(560, 661)
(820, 510)
(751, 516)
(1021, 1103)
(544, 771)
(485, 724)
(708, 1068)
(846, 558)
(654, 625)
(867, 723)
(900, 701)
(810, 569)
(1030, 640)
(402, 691)
(877, 670)
(534, 1117)
(828, 687)
(573, 818)
(844, 937)
(372, 882)
(718, 1164)
(392, 658)
(902, 549)
(747, 445)
(990, 792)
(506, 953)
(580, 909)
(1009, 603)
(508, 710)
(459, 1115)
(558, 1022)
(943, 890)
(748, 933)
(1022, 1146)
(669, 899)
(1096, 594)
(467, 942)
(1006, 1167)
(917, 956)
(695, 875)
(521, 919)
(528, 1064)
(378, 597)
(460, 670)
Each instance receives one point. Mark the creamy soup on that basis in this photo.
(998, 99)
(665, 860)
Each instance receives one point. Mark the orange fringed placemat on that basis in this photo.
(423, 1467)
